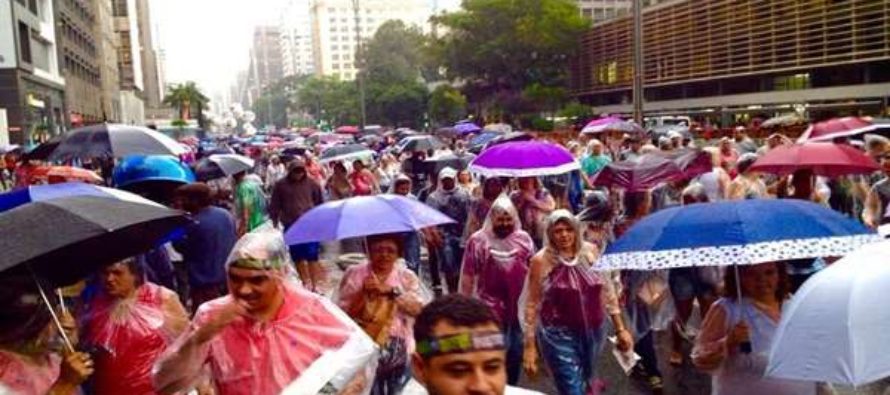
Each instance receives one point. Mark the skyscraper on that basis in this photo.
(296, 39)
(129, 61)
(265, 60)
(80, 60)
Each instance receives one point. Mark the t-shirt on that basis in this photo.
(593, 164)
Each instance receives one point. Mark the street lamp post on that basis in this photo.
(359, 78)
(638, 61)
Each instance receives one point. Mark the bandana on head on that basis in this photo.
(461, 343)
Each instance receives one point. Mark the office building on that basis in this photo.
(334, 29)
(151, 80)
(729, 61)
(296, 39)
(31, 84)
(109, 73)
(129, 61)
(265, 61)
(80, 60)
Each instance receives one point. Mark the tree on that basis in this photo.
(328, 99)
(447, 105)
(507, 45)
(186, 97)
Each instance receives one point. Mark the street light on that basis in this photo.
(359, 78)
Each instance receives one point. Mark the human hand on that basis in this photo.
(372, 286)
(625, 341)
(230, 312)
(530, 361)
(76, 368)
(738, 335)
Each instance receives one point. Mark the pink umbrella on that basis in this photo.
(824, 159)
(836, 127)
(611, 124)
(347, 129)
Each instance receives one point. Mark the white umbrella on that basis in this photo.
(232, 163)
(836, 328)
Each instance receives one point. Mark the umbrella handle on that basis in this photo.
(52, 313)
(745, 347)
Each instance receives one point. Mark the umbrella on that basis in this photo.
(380, 214)
(650, 169)
(347, 129)
(466, 127)
(835, 328)
(524, 159)
(479, 141)
(67, 238)
(345, 152)
(735, 232)
(783, 120)
(437, 163)
(447, 132)
(139, 169)
(508, 137)
(38, 193)
(220, 166)
(498, 127)
(10, 148)
(611, 124)
(110, 140)
(824, 159)
(836, 127)
(421, 143)
(67, 173)
(664, 130)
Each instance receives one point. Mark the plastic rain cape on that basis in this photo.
(309, 347)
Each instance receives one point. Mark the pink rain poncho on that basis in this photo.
(494, 268)
(129, 335)
(308, 346)
(24, 377)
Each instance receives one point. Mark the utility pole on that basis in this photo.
(638, 61)
(359, 78)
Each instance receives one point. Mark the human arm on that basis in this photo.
(717, 339)
(872, 209)
(76, 368)
(275, 205)
(467, 283)
(530, 318)
(176, 319)
(410, 301)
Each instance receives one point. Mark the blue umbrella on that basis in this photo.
(735, 233)
(363, 216)
(38, 193)
(467, 127)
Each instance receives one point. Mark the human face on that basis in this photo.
(527, 183)
(118, 281)
(358, 165)
(383, 254)
(403, 188)
(257, 289)
(297, 174)
(469, 373)
(760, 282)
(502, 223)
(447, 184)
(493, 188)
(563, 236)
(596, 149)
(464, 177)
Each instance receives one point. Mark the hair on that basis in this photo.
(457, 310)
(198, 193)
(23, 314)
(745, 162)
(393, 237)
(730, 284)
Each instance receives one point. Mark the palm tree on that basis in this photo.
(184, 97)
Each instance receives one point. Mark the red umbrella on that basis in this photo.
(824, 159)
(836, 127)
(64, 173)
(649, 170)
(347, 129)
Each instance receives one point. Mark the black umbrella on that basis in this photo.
(422, 143)
(345, 152)
(510, 137)
(457, 162)
(221, 166)
(63, 240)
(111, 140)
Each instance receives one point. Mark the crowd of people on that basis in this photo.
(517, 264)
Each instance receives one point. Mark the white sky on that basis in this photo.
(207, 41)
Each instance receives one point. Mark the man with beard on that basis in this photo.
(492, 187)
(494, 268)
(453, 202)
(292, 196)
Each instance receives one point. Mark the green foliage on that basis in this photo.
(510, 44)
(447, 105)
(329, 99)
(544, 98)
(188, 99)
(541, 124)
(575, 110)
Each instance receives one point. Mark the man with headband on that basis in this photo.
(494, 268)
(460, 350)
(267, 334)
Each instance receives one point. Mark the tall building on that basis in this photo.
(334, 29)
(31, 84)
(109, 73)
(603, 10)
(129, 61)
(265, 61)
(726, 62)
(151, 80)
(80, 58)
(296, 39)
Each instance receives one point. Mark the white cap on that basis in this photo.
(447, 173)
(673, 134)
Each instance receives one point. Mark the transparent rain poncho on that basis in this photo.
(494, 269)
(310, 346)
(127, 336)
(566, 309)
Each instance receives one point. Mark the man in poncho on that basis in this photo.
(268, 334)
(495, 265)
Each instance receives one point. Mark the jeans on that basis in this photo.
(513, 338)
(645, 348)
(571, 355)
(412, 251)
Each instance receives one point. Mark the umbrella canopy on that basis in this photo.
(437, 163)
(611, 124)
(421, 143)
(10, 148)
(739, 232)
(466, 128)
(498, 127)
(228, 164)
(380, 214)
(824, 159)
(479, 141)
(345, 152)
(66, 239)
(783, 120)
(512, 136)
(67, 173)
(347, 129)
(836, 127)
(447, 132)
(524, 159)
(139, 169)
(835, 329)
(110, 140)
(39, 193)
(650, 169)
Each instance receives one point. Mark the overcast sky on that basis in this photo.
(207, 41)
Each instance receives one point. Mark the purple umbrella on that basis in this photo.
(524, 159)
(363, 216)
(611, 124)
(649, 170)
(467, 128)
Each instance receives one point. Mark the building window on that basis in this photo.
(32, 5)
(119, 8)
(792, 82)
(335, 66)
(25, 42)
(335, 57)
